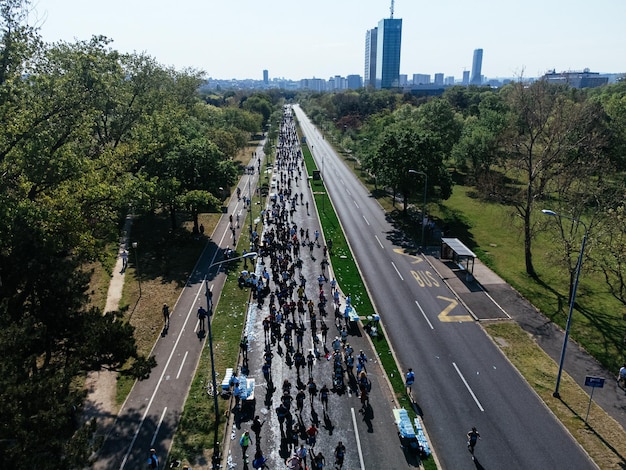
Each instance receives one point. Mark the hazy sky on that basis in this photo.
(321, 38)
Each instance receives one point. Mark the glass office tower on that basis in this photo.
(388, 53)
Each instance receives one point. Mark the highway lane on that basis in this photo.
(463, 380)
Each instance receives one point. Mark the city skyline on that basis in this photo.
(326, 39)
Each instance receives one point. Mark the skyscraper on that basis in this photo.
(370, 57)
(477, 65)
(266, 77)
(388, 53)
(466, 77)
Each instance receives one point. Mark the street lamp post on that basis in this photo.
(579, 263)
(135, 245)
(250, 202)
(415, 172)
(209, 305)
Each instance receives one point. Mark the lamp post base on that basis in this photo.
(556, 395)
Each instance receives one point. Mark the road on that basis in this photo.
(462, 380)
(150, 415)
(370, 435)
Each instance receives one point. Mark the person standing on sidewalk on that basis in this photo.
(256, 429)
(201, 317)
(244, 442)
(166, 315)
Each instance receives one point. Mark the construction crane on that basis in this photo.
(391, 9)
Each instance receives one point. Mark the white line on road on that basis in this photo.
(156, 389)
(348, 191)
(181, 365)
(355, 203)
(358, 439)
(394, 267)
(424, 314)
(480, 407)
(158, 427)
(366, 221)
(381, 245)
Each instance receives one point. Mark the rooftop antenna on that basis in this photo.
(391, 9)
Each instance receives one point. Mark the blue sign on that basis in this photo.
(597, 382)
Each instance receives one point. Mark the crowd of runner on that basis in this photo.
(300, 309)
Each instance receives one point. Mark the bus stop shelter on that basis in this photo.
(454, 249)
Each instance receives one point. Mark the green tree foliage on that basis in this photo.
(412, 138)
(84, 132)
(479, 149)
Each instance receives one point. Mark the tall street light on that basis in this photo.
(209, 308)
(415, 172)
(135, 245)
(556, 393)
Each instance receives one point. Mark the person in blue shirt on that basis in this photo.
(410, 378)
(153, 460)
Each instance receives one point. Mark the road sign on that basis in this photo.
(593, 382)
(596, 382)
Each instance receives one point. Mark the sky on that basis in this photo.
(322, 38)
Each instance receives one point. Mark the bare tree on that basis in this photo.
(553, 140)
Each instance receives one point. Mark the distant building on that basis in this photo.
(477, 65)
(576, 79)
(421, 79)
(354, 82)
(404, 79)
(466, 77)
(266, 77)
(315, 84)
(388, 45)
(438, 79)
(449, 80)
(370, 57)
(337, 83)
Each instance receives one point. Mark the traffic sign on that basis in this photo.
(596, 382)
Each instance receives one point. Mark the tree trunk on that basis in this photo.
(173, 216)
(528, 255)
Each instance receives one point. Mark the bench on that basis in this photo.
(227, 376)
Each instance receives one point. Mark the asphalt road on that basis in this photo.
(370, 435)
(462, 380)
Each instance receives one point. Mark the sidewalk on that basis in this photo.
(489, 297)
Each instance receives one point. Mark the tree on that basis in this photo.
(412, 139)
(59, 197)
(552, 135)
